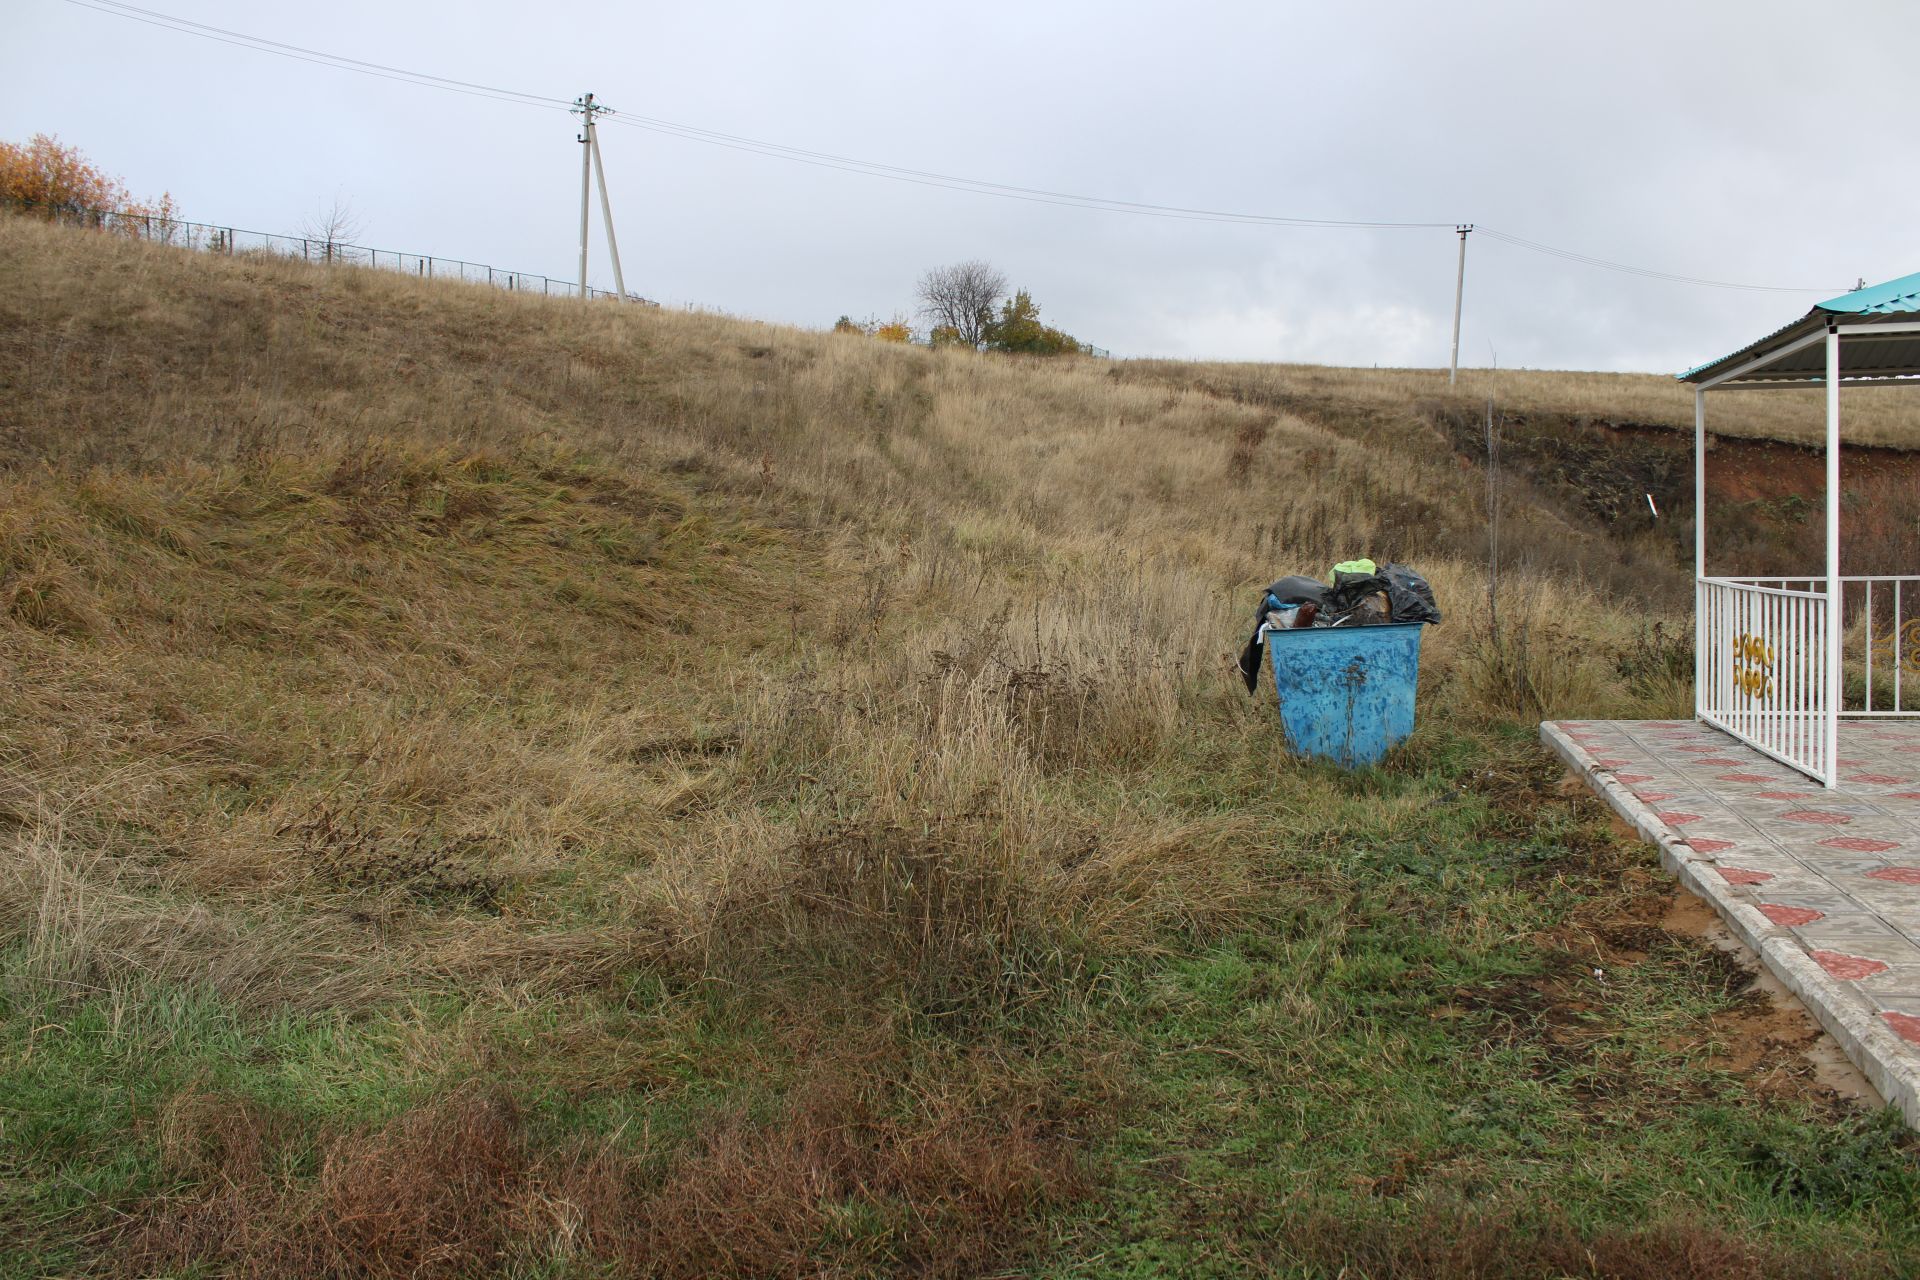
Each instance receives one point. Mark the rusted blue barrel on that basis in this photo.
(1346, 693)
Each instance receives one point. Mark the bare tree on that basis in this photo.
(332, 228)
(961, 298)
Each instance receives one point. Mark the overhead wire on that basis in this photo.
(260, 44)
(877, 169)
(1588, 260)
(783, 151)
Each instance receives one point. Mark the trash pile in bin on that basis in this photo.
(1357, 593)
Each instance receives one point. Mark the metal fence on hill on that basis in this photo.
(211, 238)
(235, 241)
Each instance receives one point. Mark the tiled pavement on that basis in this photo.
(1824, 885)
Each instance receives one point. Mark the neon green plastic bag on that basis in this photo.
(1367, 567)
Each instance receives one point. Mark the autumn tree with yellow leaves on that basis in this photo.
(49, 180)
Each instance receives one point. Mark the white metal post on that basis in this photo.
(1701, 635)
(1831, 711)
(586, 182)
(606, 209)
(1459, 288)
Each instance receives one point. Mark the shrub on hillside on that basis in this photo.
(898, 329)
(50, 180)
(1018, 328)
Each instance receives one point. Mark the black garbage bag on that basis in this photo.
(1409, 595)
(1349, 590)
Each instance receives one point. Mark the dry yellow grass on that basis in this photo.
(612, 626)
(495, 784)
(1871, 416)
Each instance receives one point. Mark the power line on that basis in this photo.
(694, 133)
(1000, 191)
(877, 169)
(1536, 247)
(260, 44)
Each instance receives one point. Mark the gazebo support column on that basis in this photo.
(1699, 546)
(1831, 710)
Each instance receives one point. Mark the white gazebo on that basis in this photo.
(1773, 663)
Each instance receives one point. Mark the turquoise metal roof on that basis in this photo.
(1893, 298)
(1783, 331)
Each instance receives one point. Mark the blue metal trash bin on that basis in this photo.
(1346, 693)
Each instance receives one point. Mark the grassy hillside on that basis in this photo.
(1870, 416)
(497, 785)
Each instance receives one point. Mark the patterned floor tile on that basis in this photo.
(1815, 893)
(1863, 932)
(1836, 870)
(1898, 981)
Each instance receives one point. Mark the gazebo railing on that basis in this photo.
(1761, 669)
(1880, 642)
(1762, 663)
(1887, 609)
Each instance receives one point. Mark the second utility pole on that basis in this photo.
(586, 109)
(606, 212)
(1459, 286)
(590, 165)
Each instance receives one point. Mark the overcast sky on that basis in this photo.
(1741, 140)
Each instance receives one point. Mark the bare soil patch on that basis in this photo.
(1771, 1037)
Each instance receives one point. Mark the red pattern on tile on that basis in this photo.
(1740, 875)
(1679, 819)
(1744, 777)
(1823, 817)
(1860, 844)
(1701, 844)
(1904, 1025)
(1611, 763)
(1720, 762)
(1905, 795)
(1633, 777)
(1878, 779)
(1852, 968)
(1654, 797)
(1780, 914)
(1897, 875)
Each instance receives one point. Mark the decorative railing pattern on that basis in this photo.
(1761, 669)
(1880, 640)
(1761, 664)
